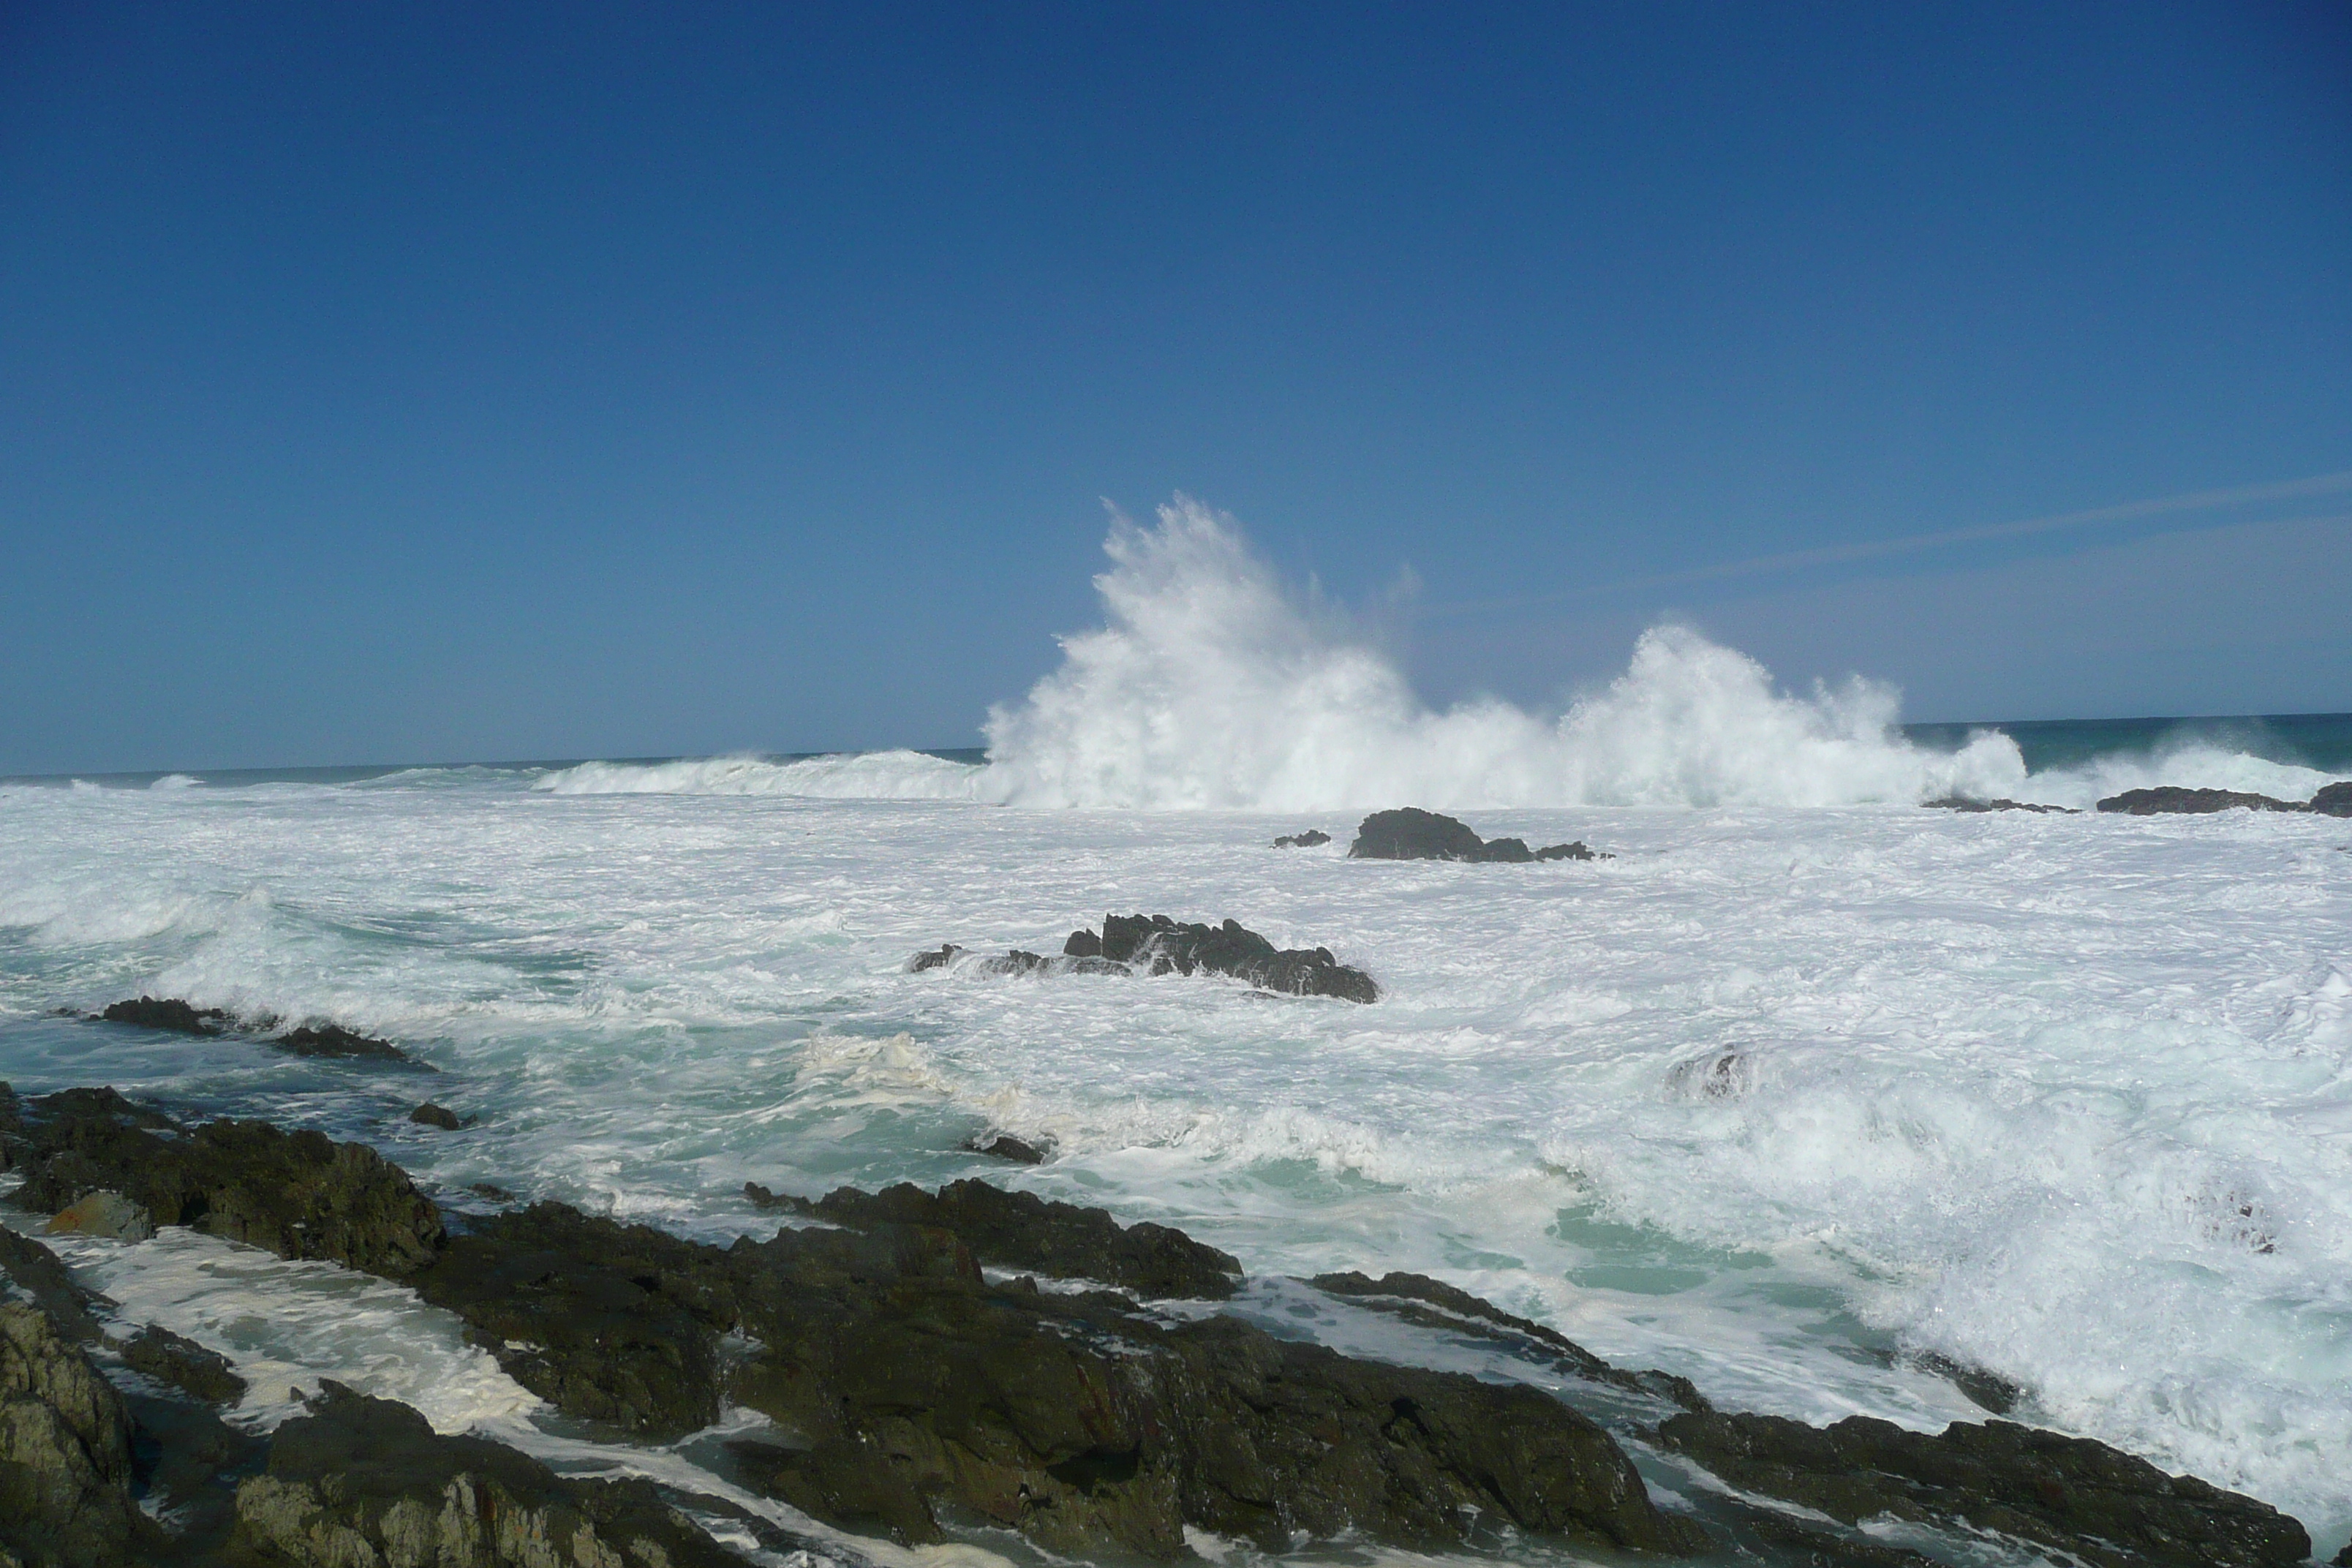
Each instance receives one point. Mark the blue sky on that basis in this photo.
(438, 382)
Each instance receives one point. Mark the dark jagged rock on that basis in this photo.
(179, 1016)
(168, 1013)
(334, 1040)
(1410, 832)
(1313, 838)
(1022, 1230)
(2334, 800)
(1155, 944)
(1807, 1546)
(1432, 1303)
(2072, 1494)
(1969, 803)
(1005, 1146)
(298, 1194)
(1985, 1390)
(431, 1115)
(360, 1481)
(184, 1365)
(496, 1194)
(2172, 799)
(604, 1320)
(34, 1270)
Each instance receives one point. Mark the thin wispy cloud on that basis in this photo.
(2210, 502)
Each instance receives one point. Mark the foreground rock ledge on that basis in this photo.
(909, 1389)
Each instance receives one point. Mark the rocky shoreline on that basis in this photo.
(932, 1365)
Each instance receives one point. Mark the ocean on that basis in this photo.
(1802, 1089)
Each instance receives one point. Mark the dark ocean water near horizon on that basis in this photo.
(2318, 740)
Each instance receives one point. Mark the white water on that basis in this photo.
(2067, 1097)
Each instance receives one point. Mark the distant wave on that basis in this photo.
(859, 776)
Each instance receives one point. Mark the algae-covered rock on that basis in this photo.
(358, 1482)
(298, 1194)
(65, 1451)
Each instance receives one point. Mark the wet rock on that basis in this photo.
(1022, 1230)
(431, 1115)
(65, 1452)
(34, 1270)
(1985, 1389)
(2335, 800)
(168, 1013)
(2071, 1494)
(179, 1016)
(1410, 832)
(1155, 944)
(1313, 838)
(496, 1194)
(334, 1040)
(1432, 1303)
(846, 1482)
(1158, 945)
(359, 1481)
(298, 1194)
(1968, 803)
(184, 1365)
(1810, 1546)
(1005, 1146)
(2172, 799)
(103, 1214)
(607, 1321)
(1094, 1429)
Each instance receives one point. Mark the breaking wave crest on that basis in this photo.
(849, 776)
(1209, 687)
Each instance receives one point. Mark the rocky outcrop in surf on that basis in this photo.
(1313, 838)
(1410, 832)
(176, 1015)
(1970, 803)
(2080, 1497)
(1155, 944)
(2169, 800)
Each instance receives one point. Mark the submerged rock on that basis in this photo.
(184, 1364)
(1432, 1303)
(298, 1194)
(1410, 832)
(1313, 838)
(357, 1482)
(179, 1016)
(2072, 1494)
(2172, 799)
(1155, 944)
(1969, 803)
(1005, 1146)
(431, 1115)
(168, 1013)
